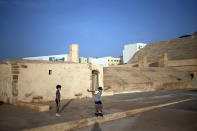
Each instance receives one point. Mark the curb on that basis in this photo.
(65, 126)
(40, 108)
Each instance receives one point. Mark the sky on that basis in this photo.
(31, 28)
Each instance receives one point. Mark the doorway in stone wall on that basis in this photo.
(95, 83)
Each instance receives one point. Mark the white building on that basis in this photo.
(102, 61)
(83, 60)
(107, 61)
(62, 57)
(130, 49)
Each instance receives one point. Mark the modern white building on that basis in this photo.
(102, 61)
(130, 49)
(83, 60)
(62, 57)
(107, 61)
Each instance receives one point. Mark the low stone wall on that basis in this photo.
(186, 62)
(36, 82)
(145, 79)
(5, 83)
(149, 86)
(189, 65)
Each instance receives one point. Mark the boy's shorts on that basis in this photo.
(57, 105)
(97, 103)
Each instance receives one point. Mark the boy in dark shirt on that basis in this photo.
(57, 100)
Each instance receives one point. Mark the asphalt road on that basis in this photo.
(178, 117)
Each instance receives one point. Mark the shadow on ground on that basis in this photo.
(195, 90)
(96, 127)
(187, 106)
(1, 103)
(65, 105)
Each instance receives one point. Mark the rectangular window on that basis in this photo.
(50, 72)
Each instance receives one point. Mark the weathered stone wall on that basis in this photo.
(99, 69)
(177, 49)
(36, 82)
(163, 60)
(5, 83)
(195, 74)
(186, 62)
(142, 61)
(145, 79)
(189, 65)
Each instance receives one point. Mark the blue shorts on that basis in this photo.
(97, 103)
(57, 105)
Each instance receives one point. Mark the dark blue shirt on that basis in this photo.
(58, 93)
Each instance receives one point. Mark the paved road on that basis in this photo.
(181, 115)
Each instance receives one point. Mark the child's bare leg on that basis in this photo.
(57, 109)
(100, 108)
(97, 108)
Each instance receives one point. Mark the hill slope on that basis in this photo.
(177, 49)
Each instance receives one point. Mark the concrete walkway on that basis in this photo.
(177, 117)
(18, 118)
(67, 126)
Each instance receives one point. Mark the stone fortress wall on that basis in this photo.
(176, 49)
(6, 79)
(164, 65)
(35, 81)
(180, 53)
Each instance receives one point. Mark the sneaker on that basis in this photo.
(57, 114)
(100, 113)
(96, 113)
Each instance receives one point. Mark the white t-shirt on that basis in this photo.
(97, 96)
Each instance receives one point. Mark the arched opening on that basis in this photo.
(95, 80)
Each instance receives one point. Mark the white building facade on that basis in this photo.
(130, 49)
(83, 60)
(107, 61)
(102, 61)
(62, 57)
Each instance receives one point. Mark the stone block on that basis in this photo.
(163, 60)
(23, 66)
(14, 69)
(14, 89)
(15, 72)
(15, 66)
(195, 74)
(15, 77)
(142, 61)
